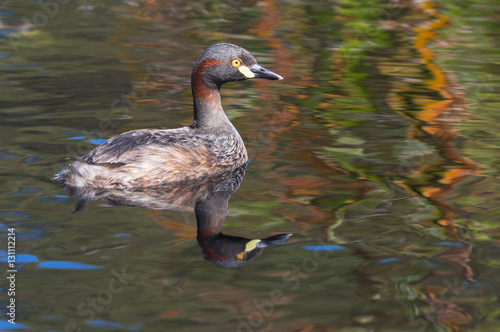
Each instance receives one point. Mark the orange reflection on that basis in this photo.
(437, 118)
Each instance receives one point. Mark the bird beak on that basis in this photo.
(258, 71)
(275, 240)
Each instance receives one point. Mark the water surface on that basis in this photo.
(379, 152)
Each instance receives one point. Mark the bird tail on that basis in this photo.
(78, 174)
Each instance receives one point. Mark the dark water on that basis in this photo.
(379, 152)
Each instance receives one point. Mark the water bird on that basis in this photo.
(152, 157)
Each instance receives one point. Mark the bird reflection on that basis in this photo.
(210, 195)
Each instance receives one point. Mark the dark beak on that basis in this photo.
(261, 72)
(275, 240)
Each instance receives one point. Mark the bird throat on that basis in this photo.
(208, 111)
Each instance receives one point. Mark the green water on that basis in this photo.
(379, 152)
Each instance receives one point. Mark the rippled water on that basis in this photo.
(379, 152)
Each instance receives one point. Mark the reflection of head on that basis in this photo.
(211, 195)
(232, 251)
(226, 250)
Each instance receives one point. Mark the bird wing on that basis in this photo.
(127, 147)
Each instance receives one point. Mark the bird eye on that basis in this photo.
(236, 62)
(242, 254)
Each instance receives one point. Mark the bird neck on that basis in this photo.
(210, 213)
(208, 111)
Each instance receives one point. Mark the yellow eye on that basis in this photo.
(236, 62)
(242, 254)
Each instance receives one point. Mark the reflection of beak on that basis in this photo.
(275, 240)
(258, 71)
(254, 247)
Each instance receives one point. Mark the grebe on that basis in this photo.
(152, 157)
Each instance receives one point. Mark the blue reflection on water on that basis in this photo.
(6, 326)
(54, 198)
(122, 235)
(74, 134)
(67, 265)
(103, 324)
(390, 260)
(28, 190)
(4, 155)
(323, 248)
(32, 159)
(455, 244)
(5, 12)
(14, 214)
(97, 141)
